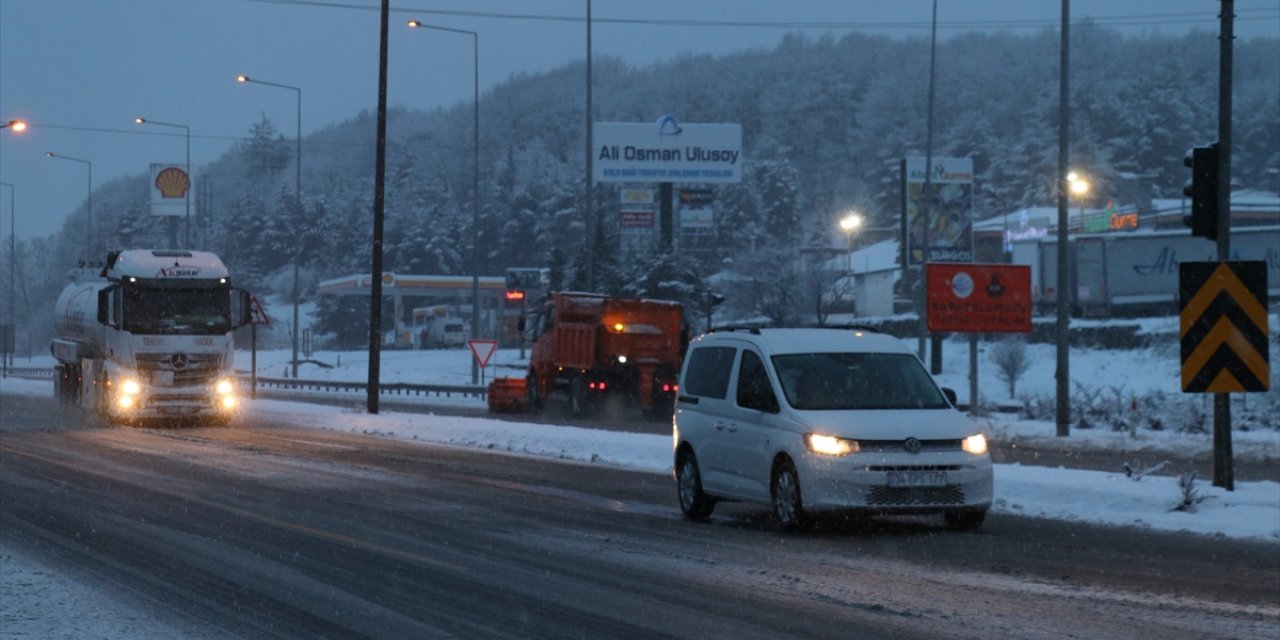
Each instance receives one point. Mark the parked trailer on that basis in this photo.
(1136, 272)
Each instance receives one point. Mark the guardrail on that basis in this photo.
(295, 384)
(34, 373)
(386, 388)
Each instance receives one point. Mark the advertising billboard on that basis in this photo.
(939, 221)
(667, 151)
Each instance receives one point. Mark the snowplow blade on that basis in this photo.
(508, 395)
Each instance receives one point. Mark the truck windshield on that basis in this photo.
(177, 311)
(835, 381)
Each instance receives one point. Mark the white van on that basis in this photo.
(823, 419)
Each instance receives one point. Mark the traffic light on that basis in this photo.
(1203, 191)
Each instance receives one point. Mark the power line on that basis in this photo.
(1151, 19)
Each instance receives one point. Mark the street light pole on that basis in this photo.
(88, 236)
(186, 169)
(475, 186)
(13, 266)
(297, 193)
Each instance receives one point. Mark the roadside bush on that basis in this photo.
(1011, 360)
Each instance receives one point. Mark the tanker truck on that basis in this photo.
(148, 335)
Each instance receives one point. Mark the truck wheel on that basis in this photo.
(533, 394)
(579, 402)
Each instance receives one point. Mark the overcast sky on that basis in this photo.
(81, 70)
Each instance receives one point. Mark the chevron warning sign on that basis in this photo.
(1224, 326)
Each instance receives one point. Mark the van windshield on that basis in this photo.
(834, 381)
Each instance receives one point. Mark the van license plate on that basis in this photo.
(917, 478)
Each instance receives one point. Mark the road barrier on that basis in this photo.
(405, 389)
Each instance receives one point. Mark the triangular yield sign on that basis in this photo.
(483, 350)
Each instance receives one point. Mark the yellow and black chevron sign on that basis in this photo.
(1224, 326)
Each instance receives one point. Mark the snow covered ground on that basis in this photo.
(28, 587)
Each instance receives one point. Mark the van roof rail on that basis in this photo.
(732, 328)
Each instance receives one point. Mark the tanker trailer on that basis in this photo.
(148, 335)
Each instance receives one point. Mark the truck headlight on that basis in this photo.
(830, 445)
(224, 387)
(975, 444)
(125, 402)
(130, 387)
(228, 402)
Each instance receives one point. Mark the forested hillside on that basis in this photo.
(824, 121)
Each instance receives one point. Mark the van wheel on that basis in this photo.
(788, 506)
(694, 504)
(964, 519)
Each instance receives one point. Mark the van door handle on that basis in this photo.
(733, 428)
(719, 425)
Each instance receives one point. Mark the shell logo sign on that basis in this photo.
(173, 183)
(170, 190)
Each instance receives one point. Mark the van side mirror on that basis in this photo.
(951, 396)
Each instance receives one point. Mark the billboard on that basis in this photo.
(635, 209)
(666, 151)
(170, 189)
(940, 222)
(695, 210)
(978, 298)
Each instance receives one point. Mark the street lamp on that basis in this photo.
(187, 169)
(88, 229)
(18, 125)
(13, 267)
(475, 187)
(1080, 188)
(297, 193)
(850, 224)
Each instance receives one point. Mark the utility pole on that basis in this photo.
(379, 205)
(1062, 373)
(1223, 472)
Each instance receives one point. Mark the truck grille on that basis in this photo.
(200, 368)
(914, 496)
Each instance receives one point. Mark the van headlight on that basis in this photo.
(975, 444)
(224, 387)
(830, 445)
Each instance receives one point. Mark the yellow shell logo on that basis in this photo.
(173, 183)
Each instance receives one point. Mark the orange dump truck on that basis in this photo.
(588, 346)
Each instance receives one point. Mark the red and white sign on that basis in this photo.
(978, 298)
(257, 312)
(483, 350)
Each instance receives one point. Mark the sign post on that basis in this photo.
(259, 316)
(977, 298)
(482, 350)
(1223, 337)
